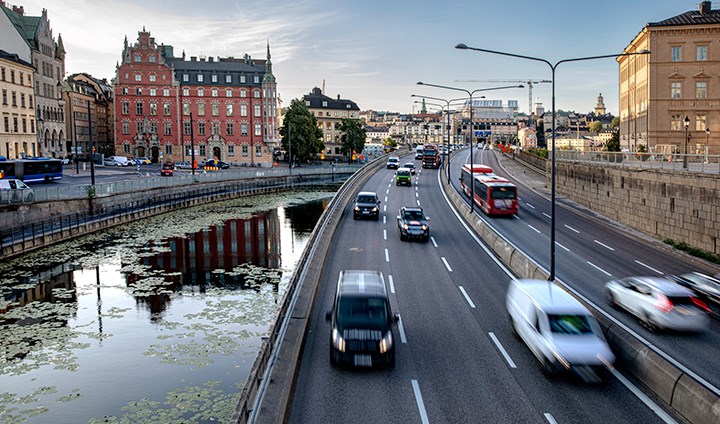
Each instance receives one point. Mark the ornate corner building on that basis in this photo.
(165, 105)
(330, 113)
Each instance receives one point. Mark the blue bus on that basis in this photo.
(32, 170)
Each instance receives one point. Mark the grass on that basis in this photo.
(694, 251)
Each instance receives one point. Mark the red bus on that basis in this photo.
(495, 195)
(465, 175)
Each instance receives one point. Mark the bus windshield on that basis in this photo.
(503, 192)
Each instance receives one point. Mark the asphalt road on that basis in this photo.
(457, 360)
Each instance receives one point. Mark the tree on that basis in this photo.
(613, 145)
(615, 122)
(390, 143)
(596, 127)
(305, 135)
(352, 138)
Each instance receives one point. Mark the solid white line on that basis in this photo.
(446, 263)
(401, 330)
(536, 230)
(387, 256)
(649, 267)
(566, 249)
(649, 403)
(472, 305)
(547, 215)
(530, 206)
(432, 239)
(572, 229)
(385, 234)
(502, 350)
(420, 404)
(392, 285)
(598, 268)
(549, 417)
(604, 245)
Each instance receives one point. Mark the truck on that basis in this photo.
(431, 156)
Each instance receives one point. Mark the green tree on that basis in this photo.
(305, 135)
(352, 137)
(615, 122)
(390, 142)
(613, 145)
(596, 127)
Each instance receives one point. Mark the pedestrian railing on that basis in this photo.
(699, 163)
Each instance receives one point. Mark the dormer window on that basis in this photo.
(324, 103)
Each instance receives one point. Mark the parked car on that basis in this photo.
(410, 166)
(366, 205)
(559, 330)
(705, 287)
(412, 223)
(117, 161)
(143, 160)
(217, 164)
(361, 321)
(393, 162)
(183, 165)
(167, 170)
(13, 190)
(658, 303)
(403, 176)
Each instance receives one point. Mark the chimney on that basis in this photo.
(19, 10)
(705, 8)
(193, 58)
(210, 59)
(338, 97)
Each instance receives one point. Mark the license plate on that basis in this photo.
(362, 361)
(684, 310)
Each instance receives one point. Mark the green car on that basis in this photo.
(403, 176)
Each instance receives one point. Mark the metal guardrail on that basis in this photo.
(706, 164)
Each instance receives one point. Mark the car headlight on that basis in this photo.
(404, 226)
(357, 209)
(424, 227)
(386, 342)
(375, 209)
(338, 341)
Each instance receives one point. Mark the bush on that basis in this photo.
(542, 153)
(694, 251)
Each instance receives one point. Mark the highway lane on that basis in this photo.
(450, 295)
(591, 251)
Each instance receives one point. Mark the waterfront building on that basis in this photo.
(81, 91)
(329, 113)
(17, 129)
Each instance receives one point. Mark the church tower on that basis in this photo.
(600, 106)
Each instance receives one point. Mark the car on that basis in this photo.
(412, 223)
(116, 161)
(167, 169)
(705, 287)
(410, 166)
(366, 205)
(558, 329)
(362, 321)
(15, 191)
(658, 303)
(65, 161)
(393, 162)
(143, 160)
(183, 165)
(403, 176)
(212, 163)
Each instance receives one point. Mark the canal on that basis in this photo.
(155, 321)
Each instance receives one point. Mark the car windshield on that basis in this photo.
(503, 192)
(409, 165)
(366, 199)
(413, 215)
(569, 324)
(167, 166)
(361, 311)
(404, 172)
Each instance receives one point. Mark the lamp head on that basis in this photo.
(420, 83)
(520, 86)
(461, 46)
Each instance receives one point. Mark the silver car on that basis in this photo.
(658, 303)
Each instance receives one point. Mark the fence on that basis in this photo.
(708, 164)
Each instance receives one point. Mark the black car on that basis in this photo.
(361, 321)
(413, 224)
(217, 164)
(706, 288)
(367, 205)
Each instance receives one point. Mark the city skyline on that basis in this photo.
(374, 53)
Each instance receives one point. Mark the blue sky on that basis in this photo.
(373, 52)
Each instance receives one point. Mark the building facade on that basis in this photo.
(17, 133)
(166, 106)
(89, 110)
(329, 113)
(676, 84)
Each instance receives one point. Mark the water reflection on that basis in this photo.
(75, 334)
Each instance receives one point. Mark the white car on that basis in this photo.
(658, 303)
(15, 191)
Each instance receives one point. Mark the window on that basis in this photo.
(675, 90)
(186, 78)
(244, 150)
(228, 93)
(153, 109)
(676, 122)
(138, 108)
(125, 108)
(126, 127)
(700, 122)
(676, 53)
(201, 109)
(229, 128)
(153, 78)
(256, 110)
(138, 91)
(166, 109)
(151, 58)
(256, 94)
(258, 129)
(228, 109)
(231, 150)
(186, 109)
(126, 148)
(214, 92)
(200, 78)
(139, 127)
(201, 92)
(324, 103)
(125, 91)
(213, 78)
(4, 97)
(186, 91)
(2, 74)
(202, 150)
(168, 149)
(138, 77)
(201, 130)
(243, 110)
(258, 151)
(256, 79)
(166, 92)
(137, 58)
(153, 92)
(186, 128)
(215, 128)
(24, 125)
(701, 90)
(168, 128)
(228, 79)
(22, 99)
(243, 129)
(243, 93)
(215, 109)
(242, 79)
(6, 120)
(701, 53)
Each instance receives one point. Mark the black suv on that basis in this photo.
(361, 321)
(366, 205)
(413, 224)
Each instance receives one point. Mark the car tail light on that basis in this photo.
(700, 304)
(663, 303)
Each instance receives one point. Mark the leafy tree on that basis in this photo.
(596, 127)
(615, 122)
(390, 142)
(613, 145)
(305, 135)
(352, 138)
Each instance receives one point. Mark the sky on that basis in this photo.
(374, 52)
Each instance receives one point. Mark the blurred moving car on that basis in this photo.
(217, 164)
(361, 321)
(143, 160)
(183, 165)
(393, 162)
(116, 161)
(559, 330)
(412, 223)
(14, 190)
(65, 161)
(410, 166)
(658, 303)
(705, 287)
(167, 170)
(366, 205)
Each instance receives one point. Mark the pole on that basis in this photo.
(76, 162)
(92, 147)
(289, 150)
(552, 184)
(192, 146)
(472, 167)
(685, 158)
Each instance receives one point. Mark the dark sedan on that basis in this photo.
(216, 164)
(706, 288)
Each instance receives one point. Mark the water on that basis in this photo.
(155, 321)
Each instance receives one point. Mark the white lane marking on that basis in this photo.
(384, 219)
(549, 417)
(387, 191)
(547, 215)
(385, 234)
(401, 330)
(598, 268)
(420, 404)
(566, 249)
(392, 285)
(649, 403)
(385, 208)
(529, 206)
(502, 350)
(416, 187)
(604, 245)
(535, 229)
(572, 229)
(472, 305)
(432, 239)
(387, 256)
(515, 217)
(417, 194)
(446, 263)
(649, 267)
(385, 199)
(418, 203)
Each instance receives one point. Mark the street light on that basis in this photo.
(707, 142)
(472, 127)
(685, 158)
(552, 167)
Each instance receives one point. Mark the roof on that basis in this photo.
(13, 57)
(316, 99)
(692, 17)
(25, 25)
(361, 282)
(550, 297)
(227, 65)
(664, 285)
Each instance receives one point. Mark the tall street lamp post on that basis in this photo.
(472, 127)
(685, 157)
(707, 142)
(552, 178)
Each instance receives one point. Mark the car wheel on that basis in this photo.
(548, 368)
(427, 238)
(512, 327)
(646, 322)
(403, 237)
(391, 361)
(333, 361)
(377, 217)
(355, 217)
(611, 300)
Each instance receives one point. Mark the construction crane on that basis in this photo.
(529, 83)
